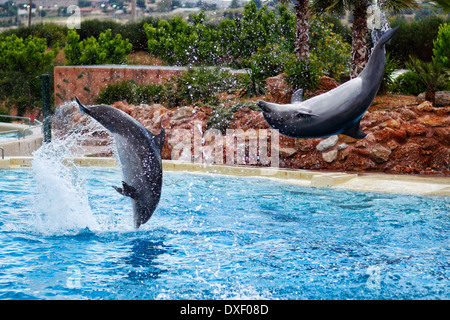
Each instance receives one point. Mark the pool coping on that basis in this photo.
(364, 182)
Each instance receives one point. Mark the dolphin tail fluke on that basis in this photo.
(355, 132)
(83, 109)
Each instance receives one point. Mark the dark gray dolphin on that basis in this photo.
(338, 111)
(140, 155)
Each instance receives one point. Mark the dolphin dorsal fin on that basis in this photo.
(355, 132)
(297, 96)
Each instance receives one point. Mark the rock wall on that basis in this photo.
(403, 137)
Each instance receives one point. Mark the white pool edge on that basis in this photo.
(364, 182)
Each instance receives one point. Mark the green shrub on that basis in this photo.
(414, 38)
(55, 34)
(181, 43)
(301, 74)
(105, 50)
(432, 75)
(94, 27)
(252, 83)
(330, 53)
(269, 61)
(22, 61)
(408, 83)
(220, 118)
(131, 92)
(441, 50)
(232, 42)
(200, 84)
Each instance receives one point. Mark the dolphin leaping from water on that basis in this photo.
(140, 155)
(338, 111)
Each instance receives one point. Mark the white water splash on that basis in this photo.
(61, 203)
(377, 21)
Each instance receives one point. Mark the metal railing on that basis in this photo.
(29, 120)
(32, 123)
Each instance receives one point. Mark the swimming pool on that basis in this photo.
(217, 237)
(8, 136)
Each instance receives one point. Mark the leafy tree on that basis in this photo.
(431, 74)
(21, 62)
(301, 11)
(360, 52)
(105, 50)
(441, 50)
(331, 54)
(414, 38)
(302, 74)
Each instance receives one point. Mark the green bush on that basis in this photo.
(22, 61)
(94, 27)
(414, 38)
(302, 74)
(432, 75)
(252, 84)
(200, 84)
(269, 61)
(330, 53)
(181, 43)
(232, 42)
(131, 92)
(55, 34)
(408, 83)
(105, 50)
(441, 50)
(220, 118)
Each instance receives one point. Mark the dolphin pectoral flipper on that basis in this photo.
(355, 132)
(304, 113)
(127, 190)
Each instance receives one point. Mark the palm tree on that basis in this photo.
(360, 52)
(431, 74)
(301, 11)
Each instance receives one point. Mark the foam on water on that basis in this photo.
(61, 202)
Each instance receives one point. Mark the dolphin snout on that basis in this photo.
(264, 106)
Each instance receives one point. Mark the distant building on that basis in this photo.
(46, 4)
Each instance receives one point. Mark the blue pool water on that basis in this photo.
(217, 237)
(8, 136)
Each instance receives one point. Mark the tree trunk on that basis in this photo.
(430, 95)
(301, 10)
(360, 53)
(30, 13)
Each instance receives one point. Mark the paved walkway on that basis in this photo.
(404, 184)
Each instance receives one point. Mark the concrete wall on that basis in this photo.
(21, 147)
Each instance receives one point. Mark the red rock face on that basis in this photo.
(403, 136)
